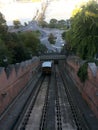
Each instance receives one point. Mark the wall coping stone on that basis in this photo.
(17, 66)
(93, 68)
(1, 69)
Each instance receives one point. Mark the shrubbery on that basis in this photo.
(82, 72)
(17, 47)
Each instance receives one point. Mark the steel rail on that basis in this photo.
(23, 121)
(78, 117)
(48, 115)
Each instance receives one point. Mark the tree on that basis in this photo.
(20, 53)
(43, 23)
(31, 41)
(42, 49)
(17, 49)
(61, 24)
(16, 23)
(53, 23)
(51, 38)
(83, 35)
(82, 72)
(4, 53)
(63, 35)
(3, 26)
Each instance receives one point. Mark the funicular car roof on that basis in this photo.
(47, 64)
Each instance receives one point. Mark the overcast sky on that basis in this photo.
(59, 9)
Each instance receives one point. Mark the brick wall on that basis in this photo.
(89, 89)
(14, 79)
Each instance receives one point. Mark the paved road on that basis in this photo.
(33, 26)
(59, 41)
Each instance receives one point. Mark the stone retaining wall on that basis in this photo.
(14, 78)
(89, 89)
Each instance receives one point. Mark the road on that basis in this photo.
(59, 41)
(33, 26)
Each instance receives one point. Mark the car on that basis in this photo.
(47, 67)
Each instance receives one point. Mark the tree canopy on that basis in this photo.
(16, 23)
(17, 47)
(83, 34)
(3, 26)
(31, 41)
(51, 38)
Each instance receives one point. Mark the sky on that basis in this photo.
(62, 9)
(58, 9)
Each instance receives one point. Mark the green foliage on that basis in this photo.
(17, 47)
(63, 35)
(43, 24)
(31, 41)
(21, 54)
(83, 34)
(41, 49)
(54, 23)
(37, 33)
(16, 23)
(51, 38)
(3, 26)
(3, 53)
(82, 72)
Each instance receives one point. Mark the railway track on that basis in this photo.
(53, 108)
(78, 121)
(48, 122)
(12, 114)
(33, 113)
(50, 106)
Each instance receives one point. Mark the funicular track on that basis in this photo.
(59, 110)
(64, 116)
(78, 122)
(48, 115)
(33, 112)
(51, 114)
(51, 106)
(9, 118)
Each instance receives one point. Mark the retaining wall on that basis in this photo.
(89, 89)
(14, 78)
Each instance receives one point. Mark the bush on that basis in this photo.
(82, 72)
